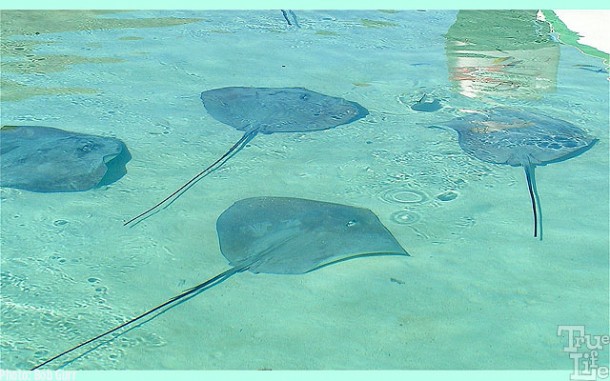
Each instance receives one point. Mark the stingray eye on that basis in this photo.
(351, 223)
(304, 97)
(86, 147)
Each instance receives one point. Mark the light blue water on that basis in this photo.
(478, 292)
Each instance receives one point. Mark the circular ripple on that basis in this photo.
(405, 217)
(403, 196)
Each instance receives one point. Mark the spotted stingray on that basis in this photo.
(520, 139)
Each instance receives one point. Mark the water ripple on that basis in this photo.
(405, 217)
(403, 196)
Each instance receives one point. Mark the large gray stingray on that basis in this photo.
(281, 235)
(45, 159)
(268, 110)
(520, 139)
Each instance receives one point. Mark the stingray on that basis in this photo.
(520, 139)
(282, 235)
(256, 110)
(45, 159)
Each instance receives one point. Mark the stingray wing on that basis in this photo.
(44, 159)
(290, 236)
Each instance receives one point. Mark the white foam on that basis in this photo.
(592, 25)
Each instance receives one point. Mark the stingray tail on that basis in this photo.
(249, 135)
(531, 186)
(168, 304)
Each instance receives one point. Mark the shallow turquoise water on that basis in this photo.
(478, 292)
